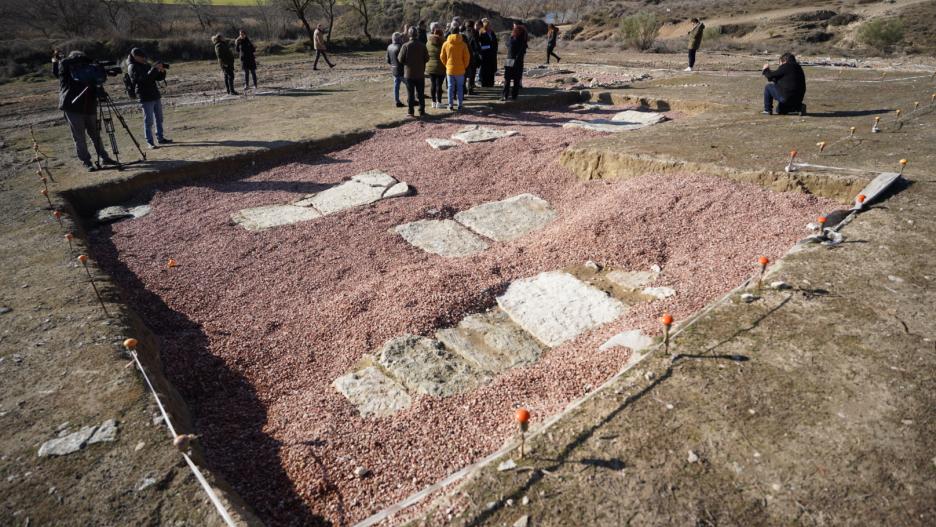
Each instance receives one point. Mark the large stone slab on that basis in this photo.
(373, 393)
(61, 446)
(491, 341)
(479, 134)
(556, 307)
(268, 216)
(424, 366)
(631, 280)
(362, 189)
(620, 122)
(441, 144)
(442, 237)
(508, 219)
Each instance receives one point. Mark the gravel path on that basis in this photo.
(256, 325)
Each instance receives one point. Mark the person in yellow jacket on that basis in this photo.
(455, 57)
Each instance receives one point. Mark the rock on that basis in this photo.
(139, 211)
(633, 339)
(507, 465)
(106, 433)
(523, 521)
(556, 307)
(398, 191)
(442, 237)
(110, 214)
(373, 393)
(525, 501)
(509, 218)
(139, 446)
(491, 342)
(693, 458)
(631, 280)
(269, 216)
(641, 118)
(425, 367)
(747, 298)
(621, 122)
(592, 266)
(780, 285)
(73, 442)
(146, 483)
(361, 472)
(4, 310)
(480, 134)
(375, 178)
(441, 144)
(659, 292)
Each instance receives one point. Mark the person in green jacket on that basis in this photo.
(695, 41)
(226, 61)
(434, 68)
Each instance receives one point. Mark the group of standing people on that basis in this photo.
(461, 57)
(248, 59)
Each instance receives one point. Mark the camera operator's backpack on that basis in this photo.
(129, 86)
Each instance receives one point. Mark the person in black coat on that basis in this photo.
(144, 77)
(788, 86)
(78, 99)
(247, 52)
(488, 43)
(470, 35)
(513, 67)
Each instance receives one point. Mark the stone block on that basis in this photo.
(509, 218)
(268, 216)
(491, 342)
(556, 307)
(372, 392)
(480, 134)
(441, 144)
(425, 367)
(442, 237)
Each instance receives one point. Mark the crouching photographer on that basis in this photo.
(143, 79)
(79, 79)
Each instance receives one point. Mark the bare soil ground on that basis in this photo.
(61, 363)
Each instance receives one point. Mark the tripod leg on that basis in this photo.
(112, 107)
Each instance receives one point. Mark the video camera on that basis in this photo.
(89, 71)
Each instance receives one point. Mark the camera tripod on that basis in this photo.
(106, 112)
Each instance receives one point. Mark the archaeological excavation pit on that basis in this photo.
(349, 327)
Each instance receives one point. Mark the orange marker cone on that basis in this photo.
(790, 167)
(667, 321)
(69, 237)
(861, 199)
(171, 263)
(523, 420)
(763, 261)
(903, 164)
(58, 217)
(916, 106)
(84, 262)
(875, 128)
(130, 344)
(898, 114)
(822, 221)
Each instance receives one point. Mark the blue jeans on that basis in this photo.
(152, 111)
(456, 83)
(770, 93)
(397, 81)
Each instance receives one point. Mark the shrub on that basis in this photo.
(881, 34)
(640, 30)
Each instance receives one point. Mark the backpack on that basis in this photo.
(129, 86)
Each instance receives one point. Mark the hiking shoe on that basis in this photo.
(105, 160)
(451, 108)
(688, 69)
(151, 146)
(765, 112)
(399, 104)
(89, 166)
(165, 141)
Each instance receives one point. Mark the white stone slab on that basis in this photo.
(114, 213)
(375, 178)
(602, 125)
(508, 219)
(480, 134)
(491, 341)
(441, 144)
(659, 292)
(631, 280)
(442, 237)
(633, 339)
(268, 216)
(345, 196)
(556, 307)
(373, 393)
(635, 117)
(397, 191)
(425, 367)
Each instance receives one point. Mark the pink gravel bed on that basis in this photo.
(255, 326)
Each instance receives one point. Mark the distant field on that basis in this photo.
(220, 2)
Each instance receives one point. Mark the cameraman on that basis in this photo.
(144, 78)
(78, 99)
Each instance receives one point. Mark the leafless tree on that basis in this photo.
(73, 18)
(301, 9)
(201, 10)
(327, 7)
(363, 8)
(113, 9)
